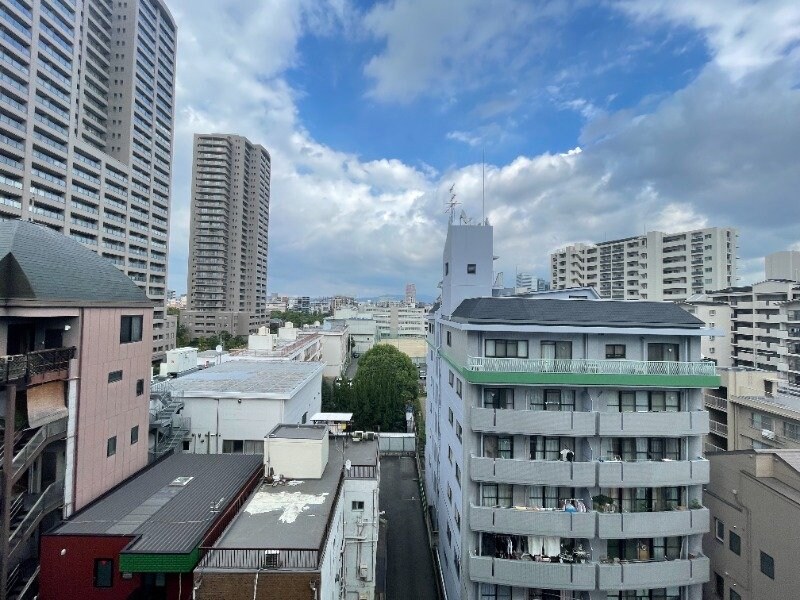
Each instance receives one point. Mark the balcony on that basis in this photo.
(36, 367)
(533, 422)
(653, 473)
(652, 524)
(591, 372)
(56, 430)
(533, 472)
(520, 521)
(527, 573)
(49, 500)
(653, 574)
(653, 423)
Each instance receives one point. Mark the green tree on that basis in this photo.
(384, 385)
(298, 318)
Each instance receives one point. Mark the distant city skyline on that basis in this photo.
(596, 122)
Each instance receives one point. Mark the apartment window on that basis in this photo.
(134, 434)
(719, 586)
(712, 313)
(489, 591)
(447, 268)
(719, 530)
(449, 493)
(615, 350)
(458, 431)
(139, 387)
(449, 339)
(792, 431)
(760, 421)
(130, 329)
(554, 400)
(459, 391)
(451, 378)
(622, 402)
(767, 565)
(548, 496)
(733, 595)
(496, 495)
(498, 398)
(233, 446)
(450, 454)
(111, 446)
(557, 350)
(458, 475)
(358, 505)
(664, 402)
(735, 543)
(498, 446)
(471, 268)
(103, 573)
(550, 448)
(506, 348)
(114, 376)
(662, 352)
(450, 415)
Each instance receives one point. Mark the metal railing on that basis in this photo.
(361, 472)
(259, 558)
(35, 445)
(50, 499)
(589, 366)
(22, 366)
(715, 402)
(717, 427)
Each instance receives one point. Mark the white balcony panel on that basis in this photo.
(653, 423)
(532, 522)
(652, 524)
(533, 422)
(653, 574)
(527, 573)
(533, 472)
(653, 473)
(589, 366)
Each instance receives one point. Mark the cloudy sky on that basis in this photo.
(598, 119)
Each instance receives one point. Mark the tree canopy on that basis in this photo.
(298, 318)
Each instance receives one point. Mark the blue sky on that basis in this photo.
(597, 120)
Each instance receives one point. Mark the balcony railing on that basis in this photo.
(620, 424)
(653, 473)
(590, 366)
(652, 524)
(43, 436)
(252, 559)
(533, 422)
(49, 500)
(528, 573)
(653, 574)
(24, 366)
(534, 472)
(521, 521)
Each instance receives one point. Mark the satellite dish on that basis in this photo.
(219, 349)
(348, 464)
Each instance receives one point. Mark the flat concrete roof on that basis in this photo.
(298, 432)
(277, 380)
(295, 515)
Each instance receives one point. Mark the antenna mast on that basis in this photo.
(483, 185)
(451, 204)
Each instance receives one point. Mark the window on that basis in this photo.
(490, 591)
(458, 474)
(451, 378)
(304, 418)
(450, 415)
(458, 431)
(623, 402)
(458, 519)
(449, 338)
(358, 505)
(498, 398)
(498, 446)
(233, 446)
(760, 421)
(556, 350)
(471, 269)
(550, 448)
(459, 391)
(735, 543)
(450, 454)
(130, 329)
(139, 387)
(615, 351)
(447, 268)
(449, 493)
(662, 352)
(792, 431)
(506, 348)
(547, 496)
(111, 446)
(103, 573)
(734, 595)
(719, 586)
(496, 495)
(719, 530)
(134, 434)
(767, 565)
(114, 376)
(664, 402)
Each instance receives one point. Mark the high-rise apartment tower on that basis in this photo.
(86, 128)
(227, 279)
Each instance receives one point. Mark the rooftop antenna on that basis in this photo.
(483, 185)
(451, 204)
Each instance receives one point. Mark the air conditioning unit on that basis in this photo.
(358, 436)
(363, 571)
(770, 435)
(369, 435)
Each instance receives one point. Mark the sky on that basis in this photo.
(590, 120)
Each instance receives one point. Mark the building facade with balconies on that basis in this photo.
(86, 129)
(564, 441)
(75, 349)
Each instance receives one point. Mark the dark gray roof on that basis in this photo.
(40, 264)
(166, 518)
(580, 313)
(299, 432)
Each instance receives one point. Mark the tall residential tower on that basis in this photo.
(86, 129)
(227, 280)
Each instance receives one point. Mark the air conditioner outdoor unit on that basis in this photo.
(369, 435)
(358, 436)
(770, 435)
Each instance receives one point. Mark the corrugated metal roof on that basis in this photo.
(41, 264)
(167, 518)
(582, 313)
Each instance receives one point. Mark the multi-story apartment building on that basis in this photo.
(526, 282)
(395, 319)
(564, 441)
(764, 327)
(783, 265)
(86, 129)
(227, 279)
(75, 349)
(754, 499)
(716, 315)
(654, 266)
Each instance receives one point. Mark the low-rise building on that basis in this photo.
(363, 328)
(754, 500)
(144, 538)
(309, 531)
(230, 407)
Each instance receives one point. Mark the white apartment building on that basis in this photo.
(716, 315)
(654, 266)
(86, 129)
(564, 441)
(783, 265)
(527, 282)
(396, 320)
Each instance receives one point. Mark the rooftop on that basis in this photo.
(276, 380)
(299, 432)
(585, 313)
(167, 507)
(296, 515)
(42, 265)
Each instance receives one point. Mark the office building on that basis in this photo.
(309, 531)
(411, 294)
(783, 265)
(563, 440)
(75, 350)
(227, 280)
(86, 129)
(527, 282)
(716, 315)
(654, 266)
(144, 538)
(754, 499)
(395, 319)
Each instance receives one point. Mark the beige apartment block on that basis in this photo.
(86, 129)
(754, 500)
(716, 315)
(227, 280)
(653, 266)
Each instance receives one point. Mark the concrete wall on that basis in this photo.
(295, 458)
